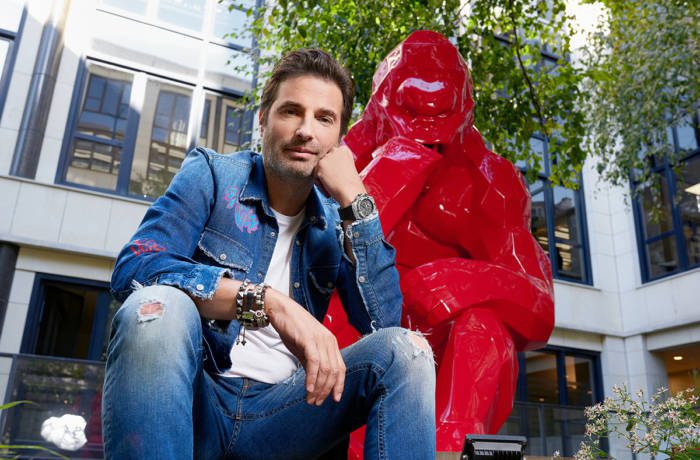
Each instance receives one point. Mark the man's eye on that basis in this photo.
(326, 120)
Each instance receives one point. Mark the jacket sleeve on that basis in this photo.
(369, 290)
(160, 252)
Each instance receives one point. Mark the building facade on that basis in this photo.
(100, 100)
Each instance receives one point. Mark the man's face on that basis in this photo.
(302, 125)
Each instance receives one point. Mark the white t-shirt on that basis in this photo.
(264, 357)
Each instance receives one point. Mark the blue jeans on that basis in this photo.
(159, 403)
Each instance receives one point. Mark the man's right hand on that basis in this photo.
(314, 345)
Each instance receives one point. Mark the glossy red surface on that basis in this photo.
(474, 279)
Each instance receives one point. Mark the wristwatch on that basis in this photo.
(361, 207)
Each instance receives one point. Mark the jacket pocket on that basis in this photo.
(225, 251)
(321, 286)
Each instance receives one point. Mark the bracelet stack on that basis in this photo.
(250, 305)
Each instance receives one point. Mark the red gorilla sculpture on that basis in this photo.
(474, 280)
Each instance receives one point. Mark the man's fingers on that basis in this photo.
(325, 381)
(311, 367)
(340, 381)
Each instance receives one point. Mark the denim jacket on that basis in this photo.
(214, 220)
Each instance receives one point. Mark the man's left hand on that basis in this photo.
(336, 173)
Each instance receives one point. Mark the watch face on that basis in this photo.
(365, 207)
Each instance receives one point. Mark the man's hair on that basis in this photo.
(310, 61)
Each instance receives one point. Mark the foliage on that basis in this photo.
(9, 450)
(663, 425)
(643, 79)
(518, 92)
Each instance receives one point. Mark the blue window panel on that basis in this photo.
(689, 210)
(233, 126)
(670, 243)
(558, 223)
(107, 147)
(687, 136)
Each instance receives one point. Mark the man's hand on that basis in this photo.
(336, 173)
(314, 345)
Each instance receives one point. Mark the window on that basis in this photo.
(68, 318)
(190, 16)
(10, 23)
(131, 131)
(225, 126)
(558, 223)
(670, 242)
(61, 365)
(554, 386)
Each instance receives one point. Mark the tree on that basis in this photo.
(643, 63)
(518, 90)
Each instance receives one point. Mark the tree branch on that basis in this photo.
(531, 88)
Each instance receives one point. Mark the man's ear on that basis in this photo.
(261, 121)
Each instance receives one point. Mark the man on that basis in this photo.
(248, 240)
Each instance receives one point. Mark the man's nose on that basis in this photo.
(304, 130)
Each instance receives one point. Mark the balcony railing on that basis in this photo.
(60, 386)
(548, 427)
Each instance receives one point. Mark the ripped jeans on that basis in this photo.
(159, 403)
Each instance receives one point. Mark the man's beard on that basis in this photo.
(282, 167)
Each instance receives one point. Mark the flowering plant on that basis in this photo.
(664, 425)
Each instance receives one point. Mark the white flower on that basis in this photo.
(66, 432)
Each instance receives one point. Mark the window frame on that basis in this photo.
(582, 222)
(14, 39)
(35, 313)
(665, 171)
(561, 353)
(139, 84)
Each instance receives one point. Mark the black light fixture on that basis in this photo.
(493, 447)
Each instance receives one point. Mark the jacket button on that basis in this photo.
(222, 257)
(298, 243)
(199, 287)
(313, 219)
(272, 234)
(330, 285)
(356, 235)
(296, 285)
(361, 279)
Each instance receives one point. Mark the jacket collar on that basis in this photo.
(255, 189)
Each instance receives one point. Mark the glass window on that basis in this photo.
(567, 235)
(579, 380)
(133, 6)
(11, 14)
(225, 127)
(686, 135)
(132, 131)
(670, 234)
(541, 377)
(163, 138)
(98, 140)
(5, 47)
(555, 385)
(557, 221)
(188, 14)
(69, 319)
(689, 210)
(227, 21)
(538, 222)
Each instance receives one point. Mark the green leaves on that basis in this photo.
(643, 79)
